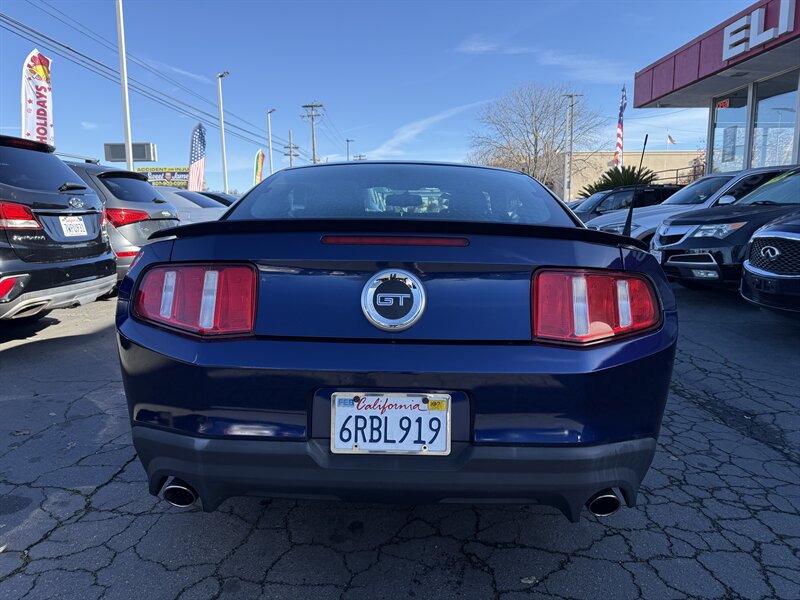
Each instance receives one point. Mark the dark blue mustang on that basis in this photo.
(397, 332)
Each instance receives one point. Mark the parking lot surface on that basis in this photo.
(718, 514)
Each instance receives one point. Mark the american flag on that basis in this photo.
(618, 151)
(197, 158)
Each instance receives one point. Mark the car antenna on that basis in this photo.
(629, 220)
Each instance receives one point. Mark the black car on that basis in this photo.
(603, 202)
(709, 246)
(134, 208)
(54, 251)
(771, 274)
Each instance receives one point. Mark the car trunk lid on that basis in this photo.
(476, 290)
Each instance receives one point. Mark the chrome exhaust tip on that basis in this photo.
(179, 493)
(604, 503)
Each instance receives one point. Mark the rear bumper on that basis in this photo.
(561, 477)
(780, 292)
(33, 302)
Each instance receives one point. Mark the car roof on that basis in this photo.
(404, 162)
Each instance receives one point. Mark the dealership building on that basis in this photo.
(746, 71)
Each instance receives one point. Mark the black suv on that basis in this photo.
(608, 200)
(54, 251)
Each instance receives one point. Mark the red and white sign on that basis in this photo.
(37, 99)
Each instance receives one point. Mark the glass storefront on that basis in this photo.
(765, 136)
(730, 132)
(775, 119)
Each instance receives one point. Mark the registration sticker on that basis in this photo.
(437, 404)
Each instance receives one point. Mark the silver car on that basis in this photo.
(192, 207)
(710, 190)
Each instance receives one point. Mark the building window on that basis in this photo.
(776, 113)
(730, 129)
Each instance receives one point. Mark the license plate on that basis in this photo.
(73, 226)
(363, 422)
(657, 254)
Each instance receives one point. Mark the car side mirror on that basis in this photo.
(725, 200)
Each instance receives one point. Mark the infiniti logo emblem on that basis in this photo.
(393, 300)
(770, 252)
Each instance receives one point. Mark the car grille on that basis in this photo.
(786, 263)
(668, 240)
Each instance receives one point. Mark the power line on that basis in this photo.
(108, 44)
(109, 73)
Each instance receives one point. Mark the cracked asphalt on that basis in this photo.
(718, 514)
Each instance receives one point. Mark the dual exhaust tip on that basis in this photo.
(604, 503)
(182, 495)
(179, 493)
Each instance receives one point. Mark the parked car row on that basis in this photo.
(69, 231)
(709, 231)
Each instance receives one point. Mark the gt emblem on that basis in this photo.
(75, 202)
(389, 299)
(770, 252)
(393, 300)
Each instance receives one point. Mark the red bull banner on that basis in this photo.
(258, 168)
(37, 99)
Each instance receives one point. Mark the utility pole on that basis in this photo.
(291, 147)
(123, 73)
(360, 157)
(269, 139)
(220, 76)
(312, 114)
(568, 164)
(348, 140)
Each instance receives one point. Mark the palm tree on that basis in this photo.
(614, 178)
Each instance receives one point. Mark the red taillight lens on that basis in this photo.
(202, 299)
(586, 306)
(17, 216)
(6, 285)
(123, 216)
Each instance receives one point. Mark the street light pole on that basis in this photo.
(123, 77)
(269, 139)
(222, 131)
(348, 148)
(568, 165)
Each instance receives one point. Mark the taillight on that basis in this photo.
(201, 299)
(589, 306)
(124, 216)
(6, 285)
(17, 216)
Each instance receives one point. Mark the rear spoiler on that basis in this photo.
(410, 226)
(15, 142)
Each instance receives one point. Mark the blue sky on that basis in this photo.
(405, 80)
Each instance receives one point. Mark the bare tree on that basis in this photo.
(527, 130)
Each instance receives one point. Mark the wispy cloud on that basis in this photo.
(157, 64)
(580, 67)
(88, 125)
(392, 148)
(9, 127)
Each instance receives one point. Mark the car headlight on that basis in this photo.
(618, 227)
(720, 230)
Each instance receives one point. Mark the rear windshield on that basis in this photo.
(34, 170)
(200, 200)
(697, 192)
(130, 189)
(784, 189)
(402, 191)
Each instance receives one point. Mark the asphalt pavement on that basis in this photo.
(718, 514)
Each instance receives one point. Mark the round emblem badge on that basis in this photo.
(393, 300)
